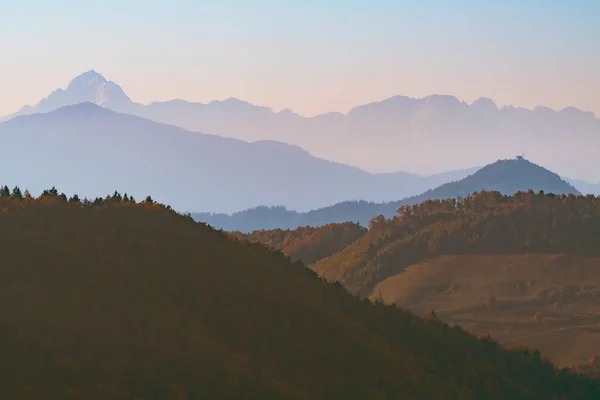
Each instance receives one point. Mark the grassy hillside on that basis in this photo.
(548, 301)
(122, 300)
(483, 223)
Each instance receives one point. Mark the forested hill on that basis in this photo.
(505, 176)
(484, 223)
(307, 244)
(114, 299)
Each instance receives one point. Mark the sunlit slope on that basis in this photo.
(548, 301)
(483, 223)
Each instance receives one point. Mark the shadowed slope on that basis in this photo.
(122, 300)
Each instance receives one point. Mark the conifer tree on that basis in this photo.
(16, 193)
(117, 197)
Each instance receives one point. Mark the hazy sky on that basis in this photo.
(311, 56)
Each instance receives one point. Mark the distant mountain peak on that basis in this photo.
(521, 174)
(505, 176)
(484, 104)
(89, 78)
(87, 87)
(233, 101)
(287, 111)
(441, 99)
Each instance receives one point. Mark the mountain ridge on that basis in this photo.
(504, 176)
(90, 77)
(399, 133)
(189, 170)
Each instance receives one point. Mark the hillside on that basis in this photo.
(433, 133)
(92, 150)
(533, 255)
(120, 300)
(307, 244)
(486, 222)
(505, 176)
(545, 301)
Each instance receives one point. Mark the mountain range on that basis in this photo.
(504, 176)
(93, 150)
(438, 132)
(585, 187)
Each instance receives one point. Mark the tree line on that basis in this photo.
(481, 223)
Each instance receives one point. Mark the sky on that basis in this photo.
(312, 56)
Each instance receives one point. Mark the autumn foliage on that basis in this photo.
(307, 244)
(483, 223)
(115, 299)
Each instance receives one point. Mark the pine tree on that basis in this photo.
(16, 193)
(52, 192)
(117, 197)
(5, 192)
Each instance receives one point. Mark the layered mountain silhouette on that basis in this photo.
(434, 133)
(504, 176)
(585, 187)
(88, 87)
(93, 151)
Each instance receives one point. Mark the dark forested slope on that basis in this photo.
(119, 300)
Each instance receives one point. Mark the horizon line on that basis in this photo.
(290, 110)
